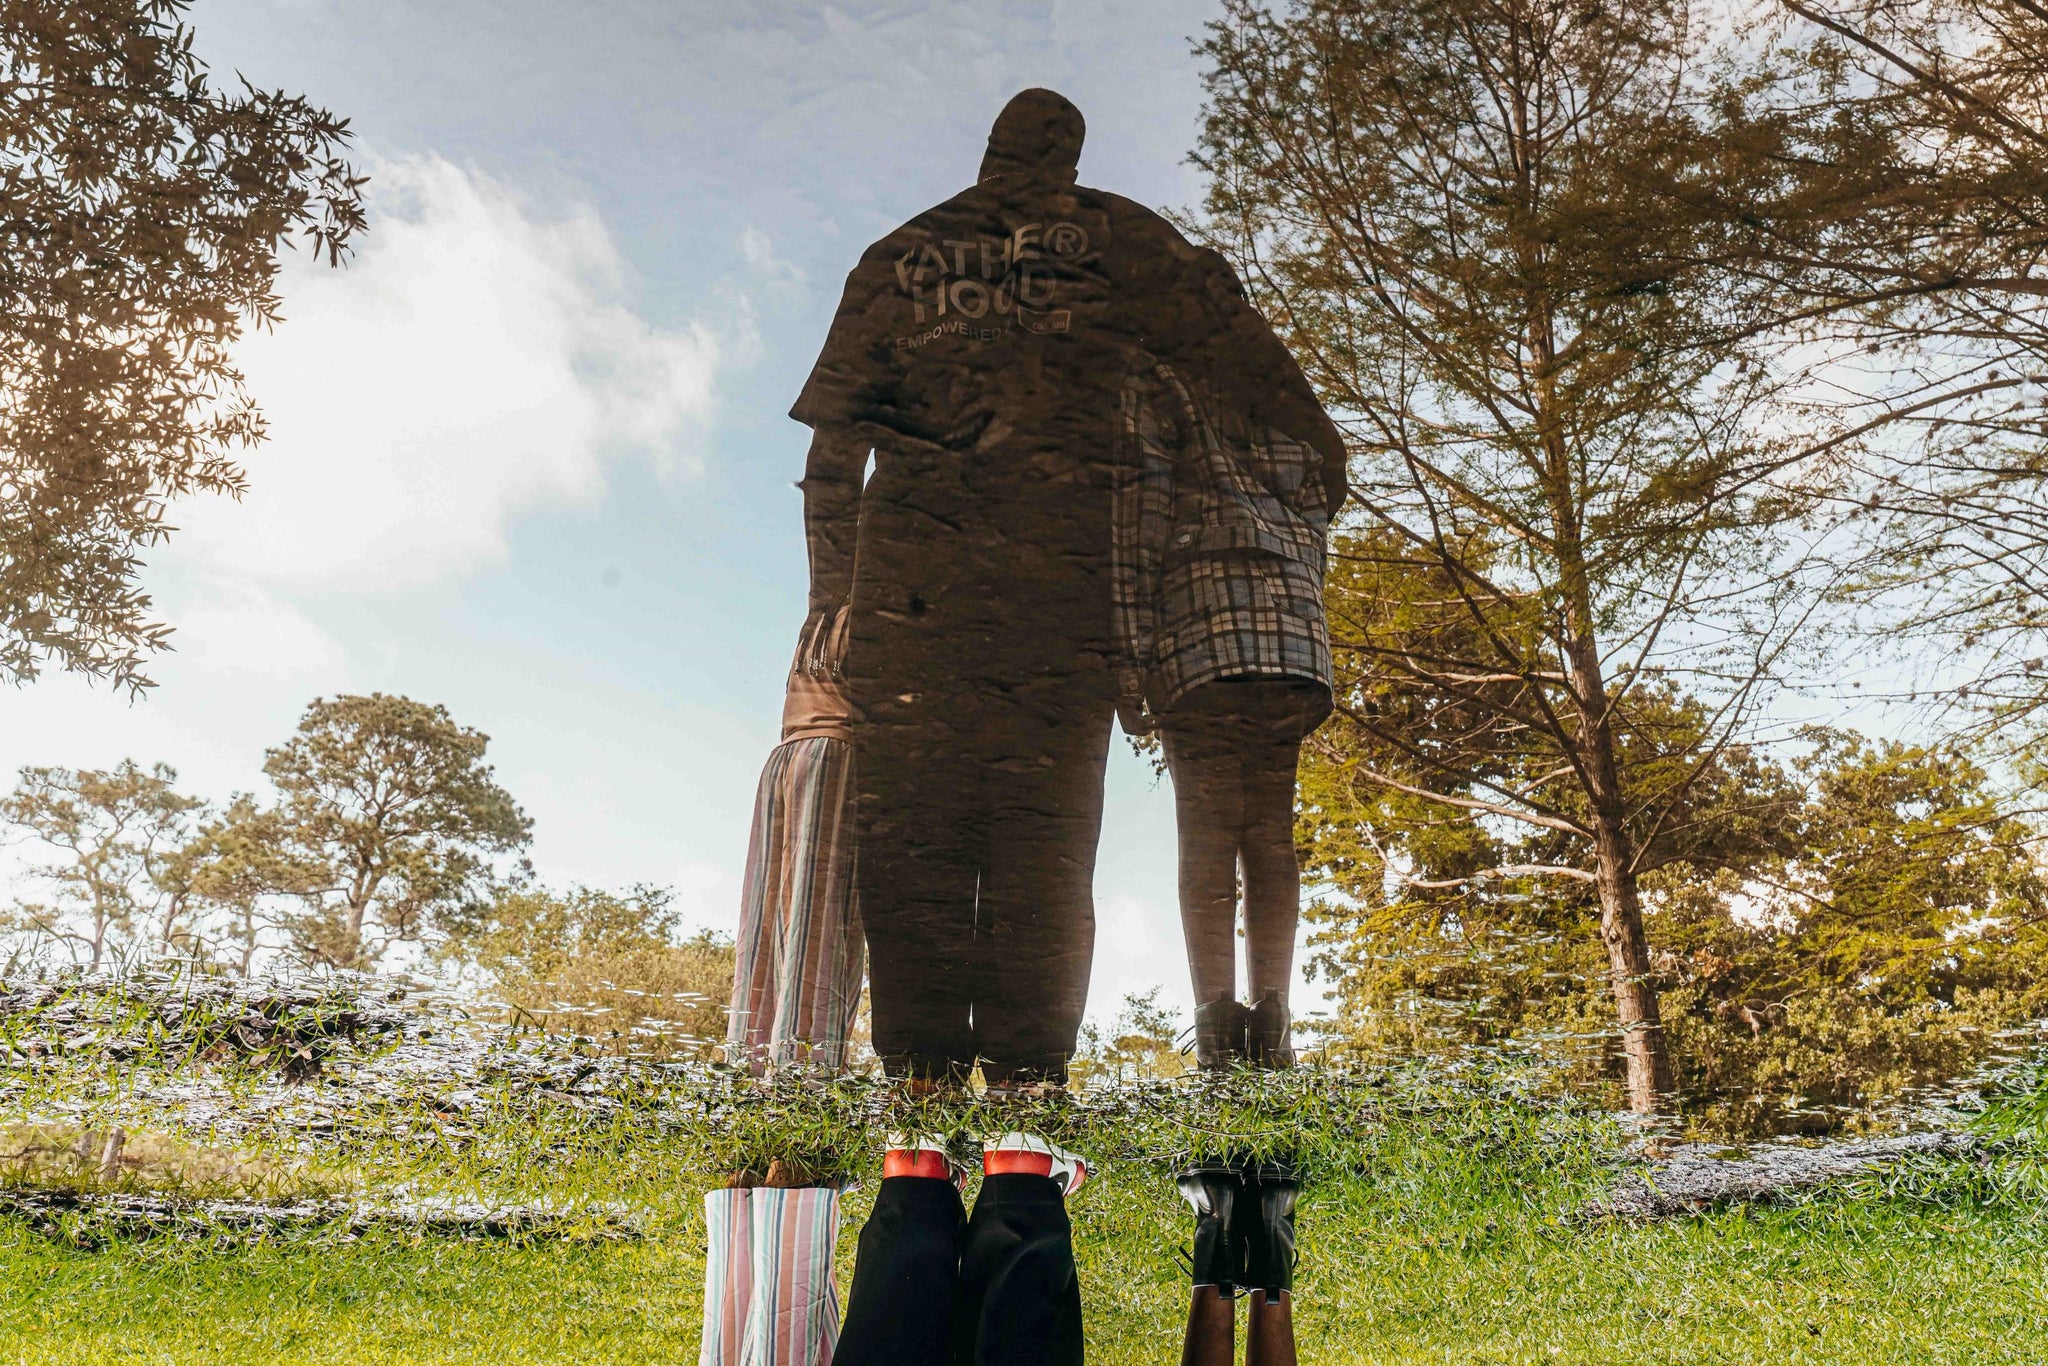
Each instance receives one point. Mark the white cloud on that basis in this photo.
(476, 361)
(236, 631)
(1137, 948)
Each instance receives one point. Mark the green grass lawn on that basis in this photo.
(1847, 1280)
(1439, 1221)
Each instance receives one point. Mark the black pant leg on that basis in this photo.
(900, 1307)
(920, 842)
(1035, 919)
(1018, 1302)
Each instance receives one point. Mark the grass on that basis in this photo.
(1834, 1282)
(1438, 1225)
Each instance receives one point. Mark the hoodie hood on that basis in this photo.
(1039, 132)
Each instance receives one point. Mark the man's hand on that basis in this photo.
(1131, 712)
(821, 648)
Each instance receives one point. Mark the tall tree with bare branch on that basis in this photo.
(1475, 220)
(1894, 202)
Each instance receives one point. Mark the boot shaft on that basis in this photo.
(1263, 1224)
(1269, 1033)
(1214, 1192)
(1220, 1034)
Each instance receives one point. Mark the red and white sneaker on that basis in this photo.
(926, 1155)
(1033, 1156)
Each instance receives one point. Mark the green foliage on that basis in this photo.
(387, 823)
(1828, 937)
(142, 210)
(118, 835)
(390, 818)
(1142, 1044)
(1907, 931)
(601, 964)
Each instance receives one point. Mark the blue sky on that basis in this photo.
(529, 456)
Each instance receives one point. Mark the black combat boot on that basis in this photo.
(1220, 1034)
(1264, 1224)
(1269, 1037)
(1214, 1190)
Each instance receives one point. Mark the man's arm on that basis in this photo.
(1282, 389)
(831, 484)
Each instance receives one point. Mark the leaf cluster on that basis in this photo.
(142, 210)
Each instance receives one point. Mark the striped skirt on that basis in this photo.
(769, 1294)
(797, 970)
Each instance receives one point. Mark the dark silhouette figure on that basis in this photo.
(978, 355)
(982, 357)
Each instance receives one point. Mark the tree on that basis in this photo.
(608, 964)
(1889, 950)
(387, 821)
(1476, 221)
(141, 214)
(1442, 925)
(1903, 229)
(236, 868)
(1869, 922)
(1142, 1044)
(119, 833)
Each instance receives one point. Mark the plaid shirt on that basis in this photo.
(1218, 553)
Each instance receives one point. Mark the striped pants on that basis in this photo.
(769, 1296)
(797, 969)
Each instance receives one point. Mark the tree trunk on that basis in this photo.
(1621, 907)
(361, 888)
(1628, 965)
(352, 944)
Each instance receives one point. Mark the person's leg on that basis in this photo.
(757, 948)
(817, 983)
(1267, 1229)
(1208, 805)
(1272, 869)
(1019, 1298)
(1275, 717)
(1035, 914)
(1269, 1329)
(900, 1307)
(1212, 1189)
(1208, 810)
(728, 1275)
(918, 851)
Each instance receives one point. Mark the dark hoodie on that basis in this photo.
(995, 311)
(981, 350)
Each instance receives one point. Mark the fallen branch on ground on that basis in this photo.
(1695, 1177)
(89, 1218)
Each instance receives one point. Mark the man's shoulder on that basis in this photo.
(1144, 225)
(1005, 197)
(947, 215)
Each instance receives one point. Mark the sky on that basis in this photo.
(529, 452)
